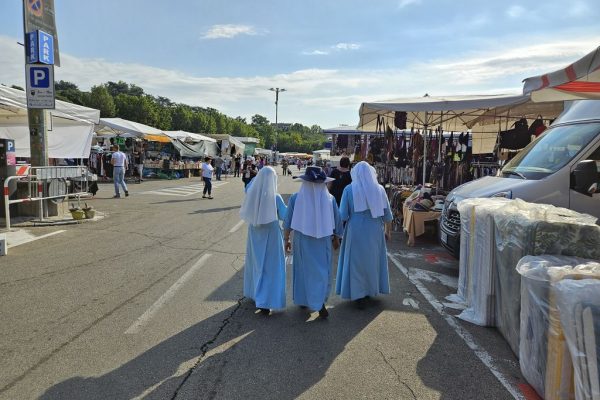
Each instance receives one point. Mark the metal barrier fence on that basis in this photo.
(48, 183)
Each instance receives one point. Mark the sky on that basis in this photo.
(329, 55)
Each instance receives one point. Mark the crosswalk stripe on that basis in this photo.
(183, 191)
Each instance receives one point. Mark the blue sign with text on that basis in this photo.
(39, 77)
(40, 48)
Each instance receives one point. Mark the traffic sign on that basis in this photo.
(40, 47)
(39, 15)
(40, 86)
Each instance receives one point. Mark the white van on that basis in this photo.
(562, 168)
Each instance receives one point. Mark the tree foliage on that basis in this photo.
(129, 101)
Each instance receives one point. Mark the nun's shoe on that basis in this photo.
(323, 313)
(265, 311)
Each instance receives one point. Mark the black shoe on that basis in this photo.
(265, 311)
(126, 193)
(361, 303)
(323, 313)
(210, 197)
(116, 196)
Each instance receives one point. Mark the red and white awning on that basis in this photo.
(578, 81)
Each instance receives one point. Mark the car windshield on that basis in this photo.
(552, 151)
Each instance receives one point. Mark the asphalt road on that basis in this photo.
(147, 303)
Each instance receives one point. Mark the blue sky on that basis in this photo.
(329, 55)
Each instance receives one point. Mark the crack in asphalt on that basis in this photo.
(385, 360)
(205, 346)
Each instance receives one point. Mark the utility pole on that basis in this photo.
(276, 90)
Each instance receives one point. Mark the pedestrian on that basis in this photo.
(207, 172)
(119, 164)
(237, 166)
(139, 156)
(218, 167)
(299, 164)
(284, 166)
(248, 172)
(342, 178)
(362, 268)
(264, 266)
(313, 218)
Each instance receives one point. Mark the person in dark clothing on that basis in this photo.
(342, 179)
(237, 166)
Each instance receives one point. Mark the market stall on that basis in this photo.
(70, 126)
(229, 145)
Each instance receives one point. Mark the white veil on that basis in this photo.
(260, 205)
(313, 211)
(367, 193)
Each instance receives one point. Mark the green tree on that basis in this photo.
(137, 108)
(100, 99)
(67, 91)
(181, 118)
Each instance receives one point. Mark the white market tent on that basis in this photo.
(121, 127)
(578, 81)
(227, 141)
(70, 126)
(483, 115)
(194, 137)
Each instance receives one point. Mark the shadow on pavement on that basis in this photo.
(214, 210)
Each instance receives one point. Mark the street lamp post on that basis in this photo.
(276, 90)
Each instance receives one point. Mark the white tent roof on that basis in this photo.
(193, 136)
(578, 81)
(120, 126)
(232, 140)
(70, 127)
(13, 102)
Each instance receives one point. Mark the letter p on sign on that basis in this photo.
(39, 77)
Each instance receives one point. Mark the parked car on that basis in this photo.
(561, 167)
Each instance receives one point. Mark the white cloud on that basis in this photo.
(315, 53)
(515, 11)
(229, 31)
(578, 9)
(405, 3)
(321, 96)
(346, 46)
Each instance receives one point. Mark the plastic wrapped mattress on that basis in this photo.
(523, 229)
(579, 307)
(543, 354)
(479, 267)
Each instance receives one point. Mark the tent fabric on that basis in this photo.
(348, 130)
(226, 140)
(122, 126)
(195, 150)
(13, 102)
(158, 138)
(70, 126)
(66, 138)
(196, 137)
(578, 81)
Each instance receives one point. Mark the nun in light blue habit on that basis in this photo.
(264, 268)
(314, 222)
(363, 268)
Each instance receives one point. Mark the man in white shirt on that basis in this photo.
(119, 163)
(207, 171)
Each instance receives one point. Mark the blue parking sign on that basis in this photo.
(40, 47)
(39, 77)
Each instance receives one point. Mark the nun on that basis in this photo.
(362, 267)
(313, 222)
(264, 268)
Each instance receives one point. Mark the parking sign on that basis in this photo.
(40, 86)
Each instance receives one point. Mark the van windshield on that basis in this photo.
(551, 151)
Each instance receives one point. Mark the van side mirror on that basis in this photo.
(584, 178)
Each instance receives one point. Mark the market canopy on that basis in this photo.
(347, 130)
(227, 141)
(70, 126)
(194, 137)
(125, 128)
(198, 149)
(578, 81)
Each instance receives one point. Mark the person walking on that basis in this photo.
(248, 172)
(342, 178)
(207, 172)
(119, 165)
(237, 166)
(362, 267)
(139, 156)
(264, 267)
(218, 167)
(313, 218)
(284, 166)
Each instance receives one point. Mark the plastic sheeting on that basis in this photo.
(195, 150)
(523, 229)
(477, 268)
(579, 307)
(543, 354)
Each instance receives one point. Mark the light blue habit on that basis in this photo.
(362, 267)
(264, 268)
(312, 262)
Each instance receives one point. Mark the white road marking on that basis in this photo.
(17, 238)
(411, 302)
(236, 226)
(431, 276)
(183, 191)
(483, 355)
(150, 312)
